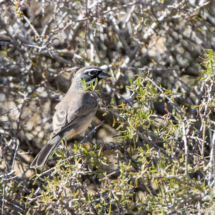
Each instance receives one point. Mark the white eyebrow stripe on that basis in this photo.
(89, 70)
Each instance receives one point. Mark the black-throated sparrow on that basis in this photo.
(74, 112)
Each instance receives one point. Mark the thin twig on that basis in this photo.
(170, 101)
(11, 163)
(185, 149)
(93, 131)
(211, 162)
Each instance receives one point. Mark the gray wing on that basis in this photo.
(72, 109)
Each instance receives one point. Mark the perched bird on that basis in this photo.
(74, 112)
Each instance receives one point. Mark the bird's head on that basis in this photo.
(90, 74)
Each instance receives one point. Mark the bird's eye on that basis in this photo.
(92, 73)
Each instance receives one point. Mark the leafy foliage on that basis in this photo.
(151, 160)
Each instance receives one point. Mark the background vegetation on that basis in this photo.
(151, 146)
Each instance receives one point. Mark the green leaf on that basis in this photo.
(84, 84)
(95, 84)
(114, 121)
(138, 81)
(130, 80)
(209, 51)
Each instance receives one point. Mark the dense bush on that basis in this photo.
(151, 147)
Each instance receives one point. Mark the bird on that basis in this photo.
(73, 114)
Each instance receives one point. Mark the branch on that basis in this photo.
(170, 101)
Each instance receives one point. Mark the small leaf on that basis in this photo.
(114, 121)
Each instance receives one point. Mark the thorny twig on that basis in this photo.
(170, 101)
(11, 163)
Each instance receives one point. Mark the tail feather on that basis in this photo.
(42, 157)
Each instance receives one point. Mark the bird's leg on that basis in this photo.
(65, 148)
(64, 143)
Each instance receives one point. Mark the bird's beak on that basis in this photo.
(103, 75)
